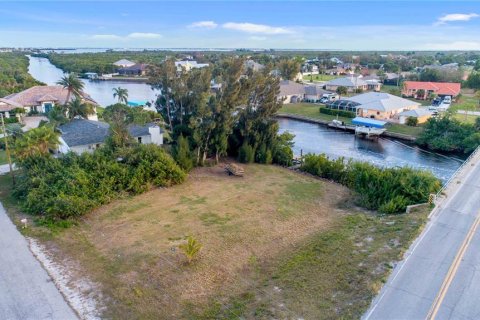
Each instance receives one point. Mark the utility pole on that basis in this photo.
(7, 149)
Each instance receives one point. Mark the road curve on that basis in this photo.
(26, 290)
(439, 277)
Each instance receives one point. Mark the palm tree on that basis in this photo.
(36, 142)
(73, 84)
(121, 94)
(78, 108)
(191, 248)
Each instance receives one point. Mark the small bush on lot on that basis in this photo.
(69, 186)
(412, 121)
(389, 190)
(341, 113)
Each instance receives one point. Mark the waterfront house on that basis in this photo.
(421, 114)
(314, 93)
(291, 91)
(42, 99)
(7, 107)
(124, 63)
(81, 135)
(138, 69)
(381, 105)
(422, 90)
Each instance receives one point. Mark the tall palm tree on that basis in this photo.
(73, 84)
(36, 142)
(78, 108)
(121, 94)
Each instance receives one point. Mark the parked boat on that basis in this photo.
(369, 128)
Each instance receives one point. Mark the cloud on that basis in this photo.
(256, 28)
(257, 38)
(147, 35)
(106, 37)
(455, 45)
(131, 36)
(204, 24)
(456, 17)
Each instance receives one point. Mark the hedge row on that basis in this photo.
(340, 113)
(389, 190)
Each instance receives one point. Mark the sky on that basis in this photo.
(327, 25)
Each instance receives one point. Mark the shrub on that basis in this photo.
(282, 152)
(182, 154)
(388, 190)
(71, 185)
(246, 154)
(412, 121)
(340, 113)
(191, 249)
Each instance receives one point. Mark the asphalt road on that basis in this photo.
(417, 281)
(26, 290)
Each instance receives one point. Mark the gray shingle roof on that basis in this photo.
(381, 101)
(346, 82)
(420, 112)
(79, 132)
(289, 88)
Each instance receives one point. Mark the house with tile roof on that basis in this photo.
(82, 135)
(42, 99)
(422, 90)
(381, 105)
(7, 107)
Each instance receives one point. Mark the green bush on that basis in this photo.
(183, 154)
(389, 190)
(340, 113)
(71, 185)
(412, 121)
(246, 154)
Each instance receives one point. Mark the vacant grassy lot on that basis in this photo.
(312, 111)
(319, 77)
(276, 244)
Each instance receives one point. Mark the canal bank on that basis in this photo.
(349, 128)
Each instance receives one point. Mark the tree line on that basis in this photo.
(236, 118)
(14, 76)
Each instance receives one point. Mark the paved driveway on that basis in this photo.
(26, 290)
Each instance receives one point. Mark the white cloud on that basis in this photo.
(106, 37)
(257, 38)
(131, 36)
(256, 28)
(204, 24)
(455, 45)
(456, 17)
(141, 35)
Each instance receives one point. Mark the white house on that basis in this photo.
(189, 65)
(124, 63)
(82, 135)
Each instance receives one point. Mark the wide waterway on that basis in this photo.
(309, 137)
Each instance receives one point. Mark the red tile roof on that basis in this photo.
(442, 88)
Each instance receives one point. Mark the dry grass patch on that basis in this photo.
(131, 245)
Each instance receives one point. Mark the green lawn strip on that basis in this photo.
(3, 157)
(319, 77)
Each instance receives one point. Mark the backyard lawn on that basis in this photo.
(276, 244)
(3, 157)
(319, 77)
(312, 111)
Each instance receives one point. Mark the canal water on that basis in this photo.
(101, 91)
(315, 138)
(309, 138)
